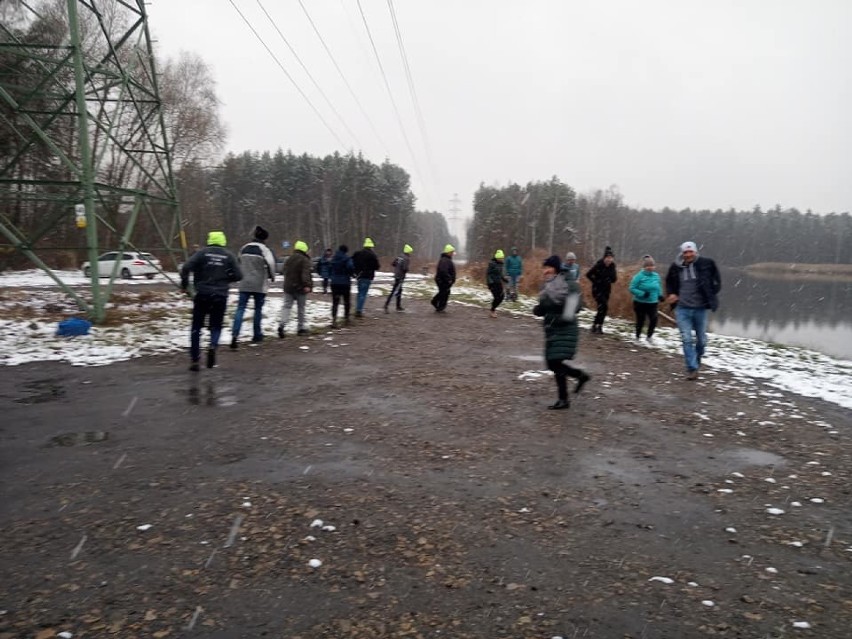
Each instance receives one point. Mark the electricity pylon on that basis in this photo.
(84, 154)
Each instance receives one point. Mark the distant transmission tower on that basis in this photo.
(84, 157)
(454, 220)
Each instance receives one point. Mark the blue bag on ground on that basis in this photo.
(73, 326)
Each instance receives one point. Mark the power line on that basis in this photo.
(390, 93)
(421, 124)
(345, 81)
(289, 77)
(310, 75)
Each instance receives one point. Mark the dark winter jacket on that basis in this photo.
(560, 336)
(494, 276)
(705, 271)
(324, 267)
(400, 266)
(366, 264)
(297, 273)
(213, 269)
(514, 265)
(445, 273)
(258, 266)
(646, 287)
(602, 277)
(341, 269)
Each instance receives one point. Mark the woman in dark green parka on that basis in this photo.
(558, 303)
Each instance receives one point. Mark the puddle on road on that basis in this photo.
(77, 439)
(42, 391)
(754, 457)
(209, 394)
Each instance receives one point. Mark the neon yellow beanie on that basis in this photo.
(368, 243)
(407, 249)
(216, 238)
(301, 246)
(499, 255)
(449, 248)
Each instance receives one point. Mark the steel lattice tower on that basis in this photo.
(84, 154)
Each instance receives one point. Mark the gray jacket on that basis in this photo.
(258, 266)
(400, 266)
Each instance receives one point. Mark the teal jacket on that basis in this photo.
(514, 265)
(646, 287)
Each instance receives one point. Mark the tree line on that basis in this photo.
(324, 201)
(552, 216)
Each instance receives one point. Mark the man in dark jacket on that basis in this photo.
(445, 277)
(400, 269)
(366, 264)
(297, 285)
(602, 275)
(213, 269)
(341, 271)
(693, 284)
(496, 280)
(258, 266)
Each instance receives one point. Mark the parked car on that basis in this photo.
(132, 263)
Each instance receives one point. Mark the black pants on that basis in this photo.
(442, 296)
(396, 291)
(339, 292)
(643, 310)
(498, 294)
(603, 306)
(561, 371)
(202, 306)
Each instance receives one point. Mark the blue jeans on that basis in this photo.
(692, 323)
(363, 287)
(259, 299)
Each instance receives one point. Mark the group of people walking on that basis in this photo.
(692, 285)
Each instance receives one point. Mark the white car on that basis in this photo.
(132, 263)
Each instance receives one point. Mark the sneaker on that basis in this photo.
(581, 381)
(234, 344)
(303, 331)
(692, 375)
(257, 338)
(211, 358)
(650, 339)
(493, 313)
(280, 331)
(561, 404)
(194, 367)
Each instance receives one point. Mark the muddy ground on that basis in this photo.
(453, 504)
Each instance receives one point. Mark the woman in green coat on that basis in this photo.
(558, 303)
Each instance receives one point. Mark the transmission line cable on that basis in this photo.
(289, 77)
(310, 75)
(390, 93)
(345, 81)
(421, 124)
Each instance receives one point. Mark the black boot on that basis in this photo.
(211, 358)
(234, 344)
(581, 381)
(561, 404)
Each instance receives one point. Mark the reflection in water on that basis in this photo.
(206, 394)
(812, 314)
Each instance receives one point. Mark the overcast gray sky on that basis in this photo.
(680, 103)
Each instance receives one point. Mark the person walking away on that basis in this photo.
(693, 284)
(445, 277)
(558, 303)
(324, 269)
(400, 269)
(496, 280)
(514, 270)
(258, 266)
(570, 268)
(647, 290)
(213, 269)
(602, 275)
(341, 270)
(297, 285)
(366, 264)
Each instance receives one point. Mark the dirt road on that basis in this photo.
(452, 504)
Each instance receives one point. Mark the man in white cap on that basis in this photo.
(693, 284)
